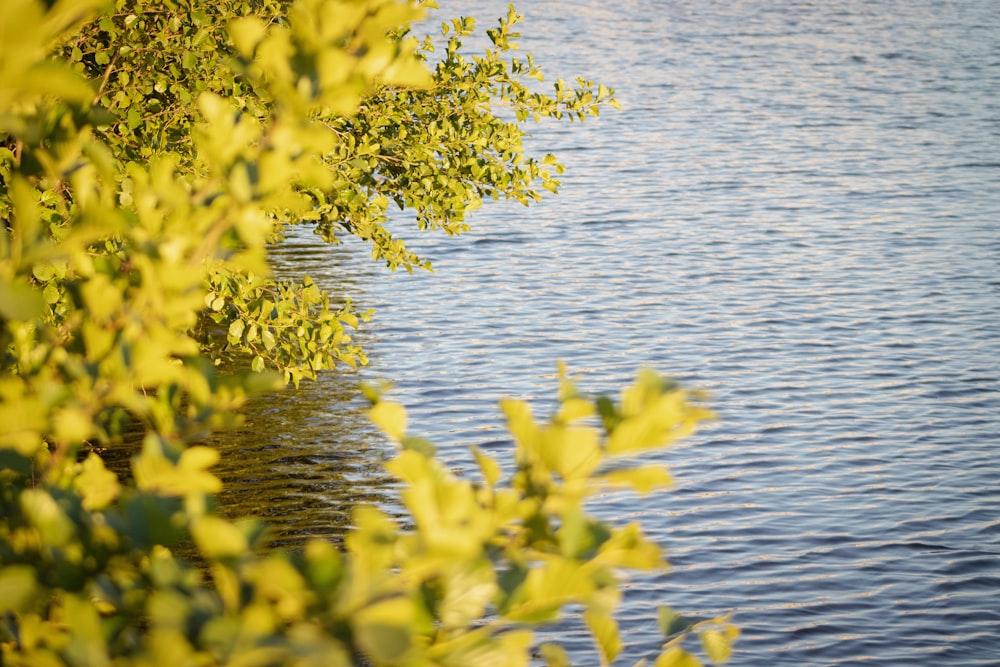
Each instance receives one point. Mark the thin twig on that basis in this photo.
(104, 79)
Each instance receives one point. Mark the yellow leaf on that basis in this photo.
(574, 409)
(349, 318)
(717, 645)
(277, 579)
(72, 425)
(217, 538)
(468, 590)
(628, 547)
(199, 458)
(518, 415)
(96, 484)
(643, 479)
(554, 655)
(677, 657)
(101, 297)
(573, 452)
(558, 582)
(605, 632)
(155, 472)
(390, 417)
(246, 33)
(489, 467)
(44, 78)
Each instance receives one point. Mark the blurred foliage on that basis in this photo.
(150, 155)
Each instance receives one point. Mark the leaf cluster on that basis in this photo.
(331, 126)
(91, 573)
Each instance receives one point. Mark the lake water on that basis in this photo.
(797, 209)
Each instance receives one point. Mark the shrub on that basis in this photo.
(151, 155)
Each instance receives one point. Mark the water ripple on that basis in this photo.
(797, 209)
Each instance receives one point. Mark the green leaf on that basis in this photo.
(19, 301)
(86, 645)
(268, 339)
(44, 271)
(421, 445)
(580, 535)
(671, 623)
(13, 460)
(17, 587)
(236, 329)
(47, 517)
(383, 630)
(133, 118)
(554, 655)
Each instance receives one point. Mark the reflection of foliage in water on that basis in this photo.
(299, 469)
(303, 458)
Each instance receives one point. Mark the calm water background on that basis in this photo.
(797, 209)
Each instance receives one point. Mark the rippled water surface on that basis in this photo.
(798, 209)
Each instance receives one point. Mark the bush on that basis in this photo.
(151, 155)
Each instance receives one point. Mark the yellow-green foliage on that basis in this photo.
(149, 154)
(89, 581)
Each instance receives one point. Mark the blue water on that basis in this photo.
(797, 209)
